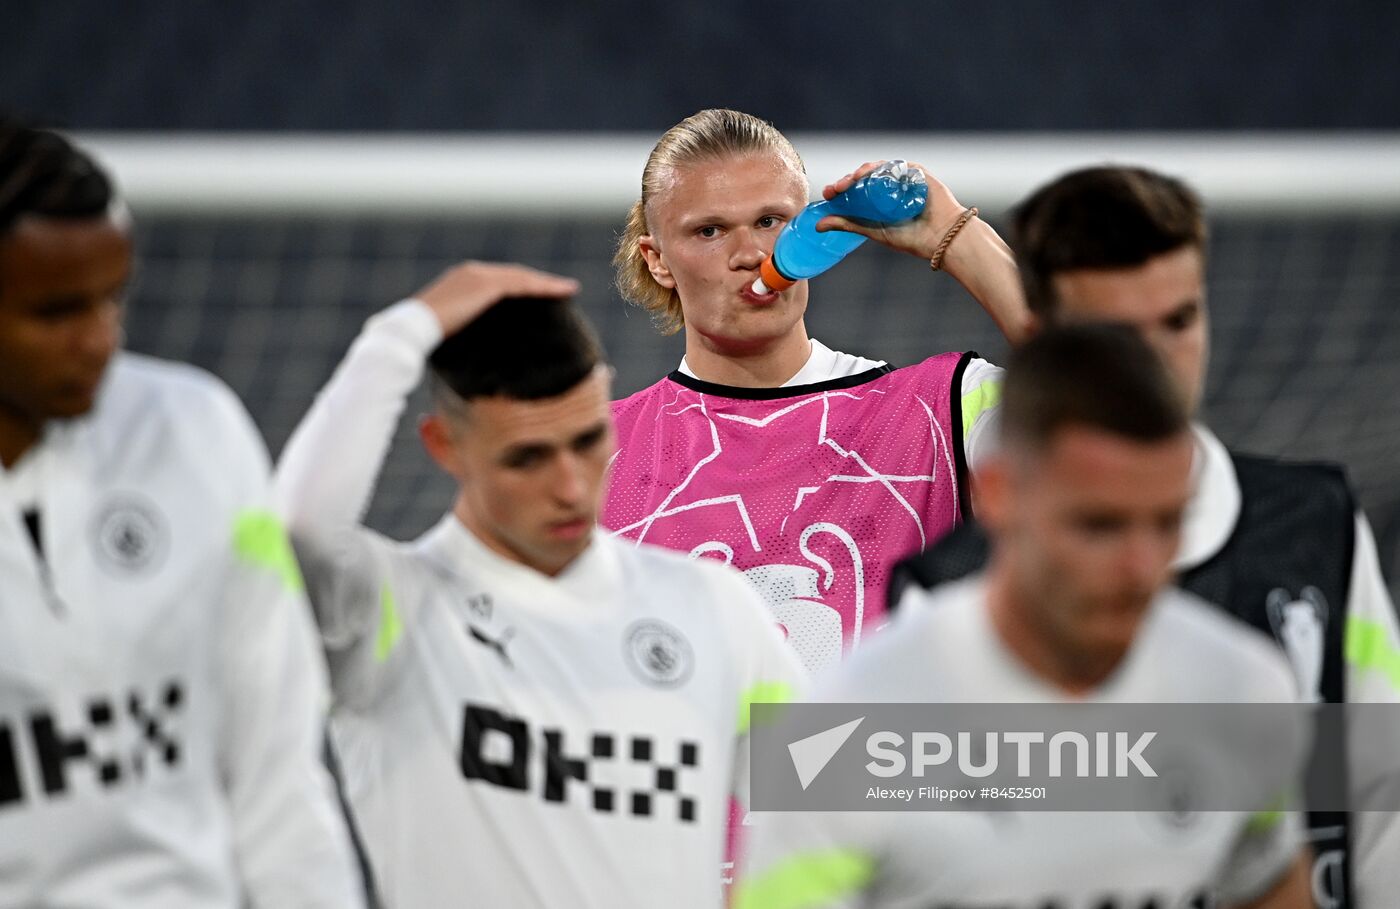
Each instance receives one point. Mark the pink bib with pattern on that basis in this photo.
(813, 491)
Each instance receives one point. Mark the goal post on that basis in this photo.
(577, 174)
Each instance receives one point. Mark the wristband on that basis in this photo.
(936, 261)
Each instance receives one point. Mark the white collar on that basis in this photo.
(24, 483)
(592, 578)
(1215, 501)
(822, 364)
(20, 483)
(989, 648)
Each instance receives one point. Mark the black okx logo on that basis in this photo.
(58, 752)
(562, 770)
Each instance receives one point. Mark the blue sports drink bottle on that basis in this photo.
(892, 193)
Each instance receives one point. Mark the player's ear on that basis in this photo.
(660, 273)
(438, 441)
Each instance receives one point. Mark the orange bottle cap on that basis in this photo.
(772, 278)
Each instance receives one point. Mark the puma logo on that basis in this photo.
(496, 644)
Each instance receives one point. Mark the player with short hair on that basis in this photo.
(811, 470)
(161, 696)
(527, 713)
(1084, 505)
(1282, 545)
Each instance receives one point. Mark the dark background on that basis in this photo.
(632, 65)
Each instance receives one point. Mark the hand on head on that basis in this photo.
(465, 291)
(919, 237)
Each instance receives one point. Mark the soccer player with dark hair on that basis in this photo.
(527, 712)
(161, 694)
(1282, 545)
(1084, 503)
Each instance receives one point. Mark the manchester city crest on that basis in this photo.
(130, 536)
(658, 653)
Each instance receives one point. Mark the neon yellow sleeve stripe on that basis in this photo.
(980, 400)
(807, 881)
(762, 693)
(1368, 646)
(1262, 822)
(390, 627)
(260, 540)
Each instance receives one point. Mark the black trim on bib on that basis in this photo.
(774, 394)
(959, 432)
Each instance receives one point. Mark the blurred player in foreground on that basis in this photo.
(1084, 506)
(161, 693)
(1281, 545)
(811, 470)
(527, 712)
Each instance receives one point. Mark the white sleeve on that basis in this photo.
(808, 859)
(326, 474)
(1268, 847)
(981, 410)
(1268, 842)
(1373, 676)
(290, 842)
(324, 483)
(773, 673)
(357, 606)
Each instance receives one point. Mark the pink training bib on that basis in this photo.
(813, 491)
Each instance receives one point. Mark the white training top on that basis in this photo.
(942, 648)
(508, 738)
(161, 695)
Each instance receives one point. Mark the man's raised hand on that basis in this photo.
(919, 237)
(465, 291)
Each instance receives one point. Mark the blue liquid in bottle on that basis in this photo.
(890, 194)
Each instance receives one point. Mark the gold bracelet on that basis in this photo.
(936, 262)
